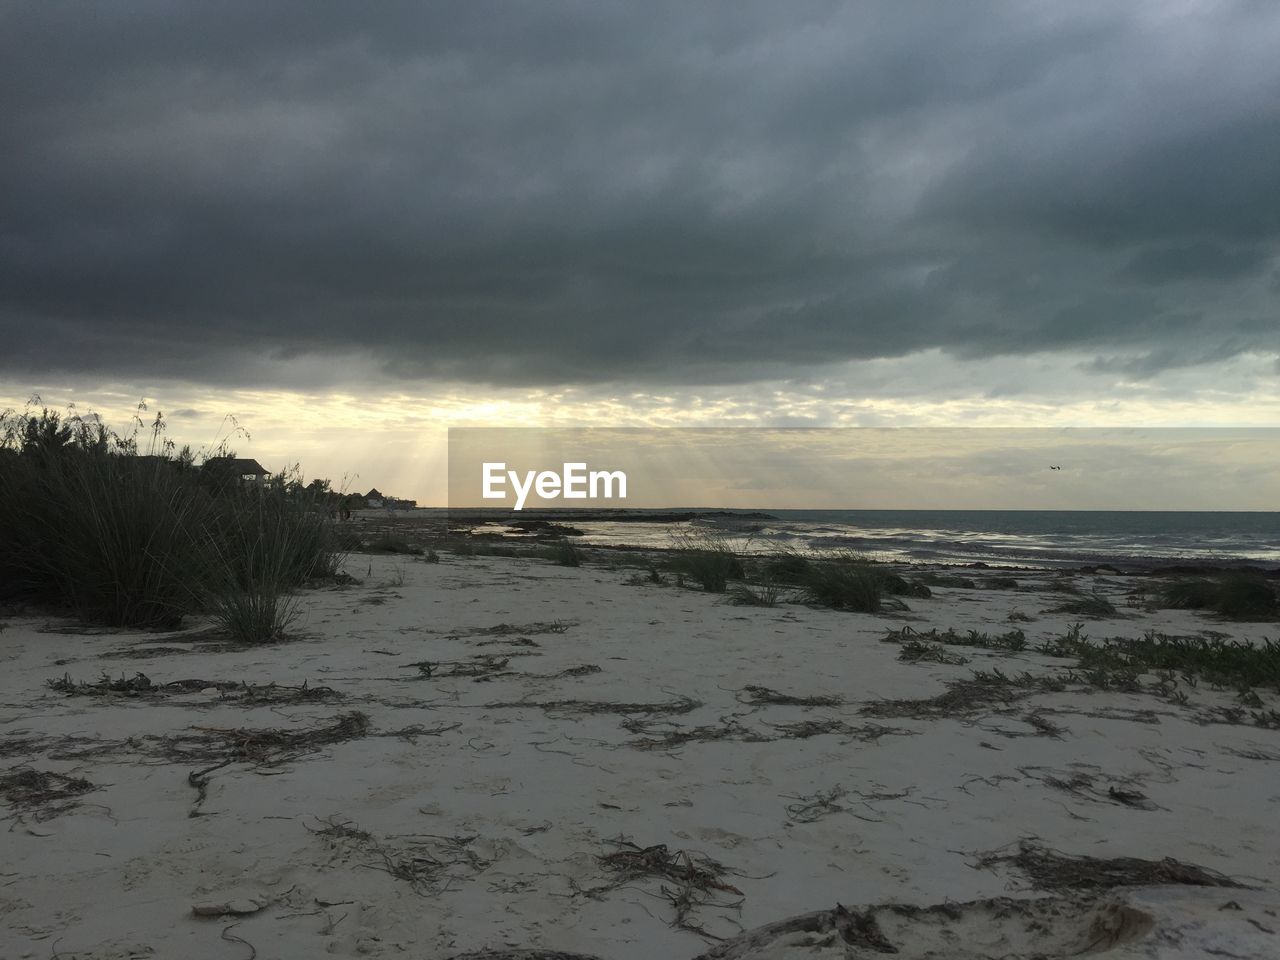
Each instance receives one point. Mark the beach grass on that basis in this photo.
(564, 554)
(96, 528)
(707, 557)
(1237, 595)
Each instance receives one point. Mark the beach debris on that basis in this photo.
(965, 698)
(43, 793)
(504, 641)
(1093, 787)
(229, 691)
(732, 729)
(480, 667)
(727, 729)
(688, 881)
(137, 685)
(755, 694)
(1051, 870)
(428, 863)
(230, 908)
(677, 705)
(412, 732)
(538, 626)
(264, 746)
(808, 809)
(523, 955)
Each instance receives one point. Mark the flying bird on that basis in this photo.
(1052, 467)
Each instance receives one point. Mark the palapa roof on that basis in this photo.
(240, 466)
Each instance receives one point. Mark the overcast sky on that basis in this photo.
(782, 212)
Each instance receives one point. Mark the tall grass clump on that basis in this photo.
(1234, 596)
(270, 545)
(847, 582)
(114, 536)
(707, 557)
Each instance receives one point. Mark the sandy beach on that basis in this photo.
(498, 754)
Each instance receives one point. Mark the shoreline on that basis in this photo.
(446, 532)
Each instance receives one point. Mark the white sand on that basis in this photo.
(518, 802)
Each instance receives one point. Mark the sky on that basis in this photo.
(350, 227)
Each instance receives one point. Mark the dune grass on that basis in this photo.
(707, 557)
(564, 554)
(1233, 596)
(94, 527)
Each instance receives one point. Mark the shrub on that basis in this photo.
(115, 537)
(1235, 596)
(900, 586)
(1092, 607)
(565, 554)
(260, 614)
(708, 558)
(848, 582)
(789, 568)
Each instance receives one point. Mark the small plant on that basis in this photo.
(764, 595)
(918, 651)
(256, 615)
(1092, 606)
(1014, 641)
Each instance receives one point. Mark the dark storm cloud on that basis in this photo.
(563, 192)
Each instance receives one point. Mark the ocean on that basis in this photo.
(996, 537)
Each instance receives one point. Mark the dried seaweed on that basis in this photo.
(757, 695)
(140, 686)
(1050, 870)
(44, 793)
(677, 705)
(426, 862)
(690, 880)
(265, 746)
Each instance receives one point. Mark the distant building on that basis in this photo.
(247, 470)
(374, 498)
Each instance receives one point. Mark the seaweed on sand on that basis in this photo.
(689, 881)
(677, 705)
(264, 746)
(755, 694)
(426, 862)
(41, 792)
(1051, 870)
